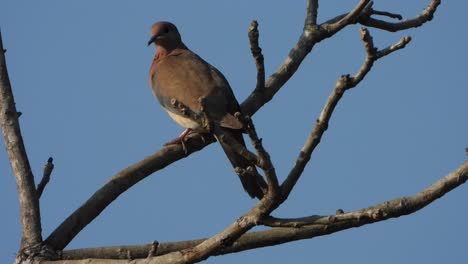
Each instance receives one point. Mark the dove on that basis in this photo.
(179, 75)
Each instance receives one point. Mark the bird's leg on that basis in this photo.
(180, 139)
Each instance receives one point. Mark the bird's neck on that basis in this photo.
(164, 51)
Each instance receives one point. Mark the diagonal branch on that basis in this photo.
(350, 18)
(45, 177)
(128, 177)
(29, 203)
(344, 83)
(118, 184)
(313, 227)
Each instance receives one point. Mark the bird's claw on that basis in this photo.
(180, 140)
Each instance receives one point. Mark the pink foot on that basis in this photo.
(180, 139)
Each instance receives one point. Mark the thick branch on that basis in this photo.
(118, 184)
(29, 204)
(311, 16)
(315, 226)
(133, 174)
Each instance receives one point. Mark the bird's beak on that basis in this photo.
(152, 39)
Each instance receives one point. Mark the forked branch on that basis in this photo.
(289, 230)
(313, 33)
(29, 203)
(345, 82)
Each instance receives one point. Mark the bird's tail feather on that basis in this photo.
(251, 180)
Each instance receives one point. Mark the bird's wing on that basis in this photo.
(186, 77)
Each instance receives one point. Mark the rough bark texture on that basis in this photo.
(233, 238)
(29, 204)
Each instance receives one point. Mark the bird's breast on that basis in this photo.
(184, 121)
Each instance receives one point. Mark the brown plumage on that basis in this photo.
(178, 73)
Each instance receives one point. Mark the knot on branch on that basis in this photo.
(378, 214)
(40, 251)
(321, 126)
(339, 211)
(154, 249)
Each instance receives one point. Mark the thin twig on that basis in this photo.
(258, 56)
(400, 45)
(239, 148)
(344, 83)
(268, 168)
(387, 14)
(45, 177)
(426, 15)
(350, 18)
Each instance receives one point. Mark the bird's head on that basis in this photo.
(165, 34)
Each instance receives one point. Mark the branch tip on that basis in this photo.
(257, 55)
(45, 177)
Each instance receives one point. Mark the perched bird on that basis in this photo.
(179, 75)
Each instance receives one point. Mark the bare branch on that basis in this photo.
(45, 177)
(122, 181)
(258, 56)
(154, 249)
(350, 18)
(344, 83)
(387, 14)
(400, 45)
(29, 203)
(118, 184)
(240, 149)
(268, 168)
(290, 222)
(311, 35)
(419, 20)
(317, 226)
(311, 16)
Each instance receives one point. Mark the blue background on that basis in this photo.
(79, 74)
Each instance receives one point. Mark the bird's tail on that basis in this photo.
(251, 180)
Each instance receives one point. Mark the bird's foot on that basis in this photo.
(180, 140)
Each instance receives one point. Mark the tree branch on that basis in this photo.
(258, 56)
(419, 20)
(118, 184)
(350, 18)
(311, 15)
(344, 83)
(313, 227)
(28, 201)
(265, 160)
(387, 14)
(45, 177)
(125, 179)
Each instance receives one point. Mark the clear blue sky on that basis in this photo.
(79, 74)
